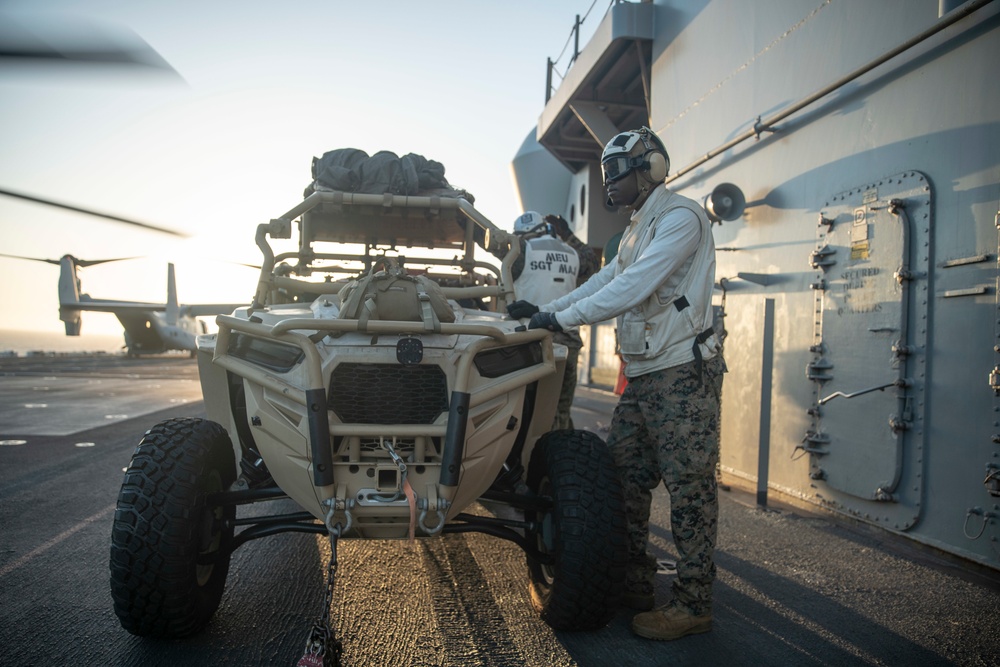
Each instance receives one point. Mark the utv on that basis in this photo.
(376, 381)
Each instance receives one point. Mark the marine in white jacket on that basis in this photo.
(666, 425)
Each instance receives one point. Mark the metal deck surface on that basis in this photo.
(792, 589)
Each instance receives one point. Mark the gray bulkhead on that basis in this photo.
(823, 239)
(860, 284)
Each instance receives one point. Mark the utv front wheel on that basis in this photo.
(584, 532)
(169, 549)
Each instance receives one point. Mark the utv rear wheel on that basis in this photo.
(584, 533)
(169, 549)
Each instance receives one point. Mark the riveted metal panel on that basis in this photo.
(869, 352)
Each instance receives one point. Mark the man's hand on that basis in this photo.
(544, 321)
(559, 224)
(521, 309)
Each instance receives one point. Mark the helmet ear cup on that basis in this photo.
(657, 166)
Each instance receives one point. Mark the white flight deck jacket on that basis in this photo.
(659, 287)
(550, 269)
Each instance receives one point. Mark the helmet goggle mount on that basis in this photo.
(618, 167)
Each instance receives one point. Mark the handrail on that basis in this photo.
(398, 327)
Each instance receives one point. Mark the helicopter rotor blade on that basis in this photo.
(78, 209)
(94, 56)
(83, 263)
(94, 262)
(32, 259)
(32, 40)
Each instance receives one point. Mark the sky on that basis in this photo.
(225, 140)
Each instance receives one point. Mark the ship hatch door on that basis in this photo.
(866, 440)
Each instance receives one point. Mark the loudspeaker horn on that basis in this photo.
(726, 202)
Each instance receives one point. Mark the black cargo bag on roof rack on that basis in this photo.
(353, 170)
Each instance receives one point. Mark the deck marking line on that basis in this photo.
(37, 551)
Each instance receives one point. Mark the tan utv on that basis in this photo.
(377, 382)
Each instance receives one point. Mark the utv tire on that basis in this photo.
(584, 532)
(169, 549)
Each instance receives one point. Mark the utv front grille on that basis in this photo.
(388, 393)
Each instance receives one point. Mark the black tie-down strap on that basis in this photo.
(680, 304)
(698, 340)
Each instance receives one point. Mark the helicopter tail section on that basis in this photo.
(173, 309)
(69, 295)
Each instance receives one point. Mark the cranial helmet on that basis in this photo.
(636, 149)
(527, 222)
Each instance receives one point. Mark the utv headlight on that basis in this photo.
(500, 361)
(270, 354)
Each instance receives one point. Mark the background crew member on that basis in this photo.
(553, 262)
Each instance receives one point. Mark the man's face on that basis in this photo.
(624, 191)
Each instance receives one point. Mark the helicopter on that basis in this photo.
(150, 328)
(35, 42)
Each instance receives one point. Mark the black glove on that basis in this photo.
(559, 224)
(521, 309)
(544, 321)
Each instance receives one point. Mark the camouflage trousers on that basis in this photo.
(563, 418)
(666, 427)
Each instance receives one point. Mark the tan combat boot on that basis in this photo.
(670, 623)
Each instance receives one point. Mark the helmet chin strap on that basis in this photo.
(645, 186)
(639, 200)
